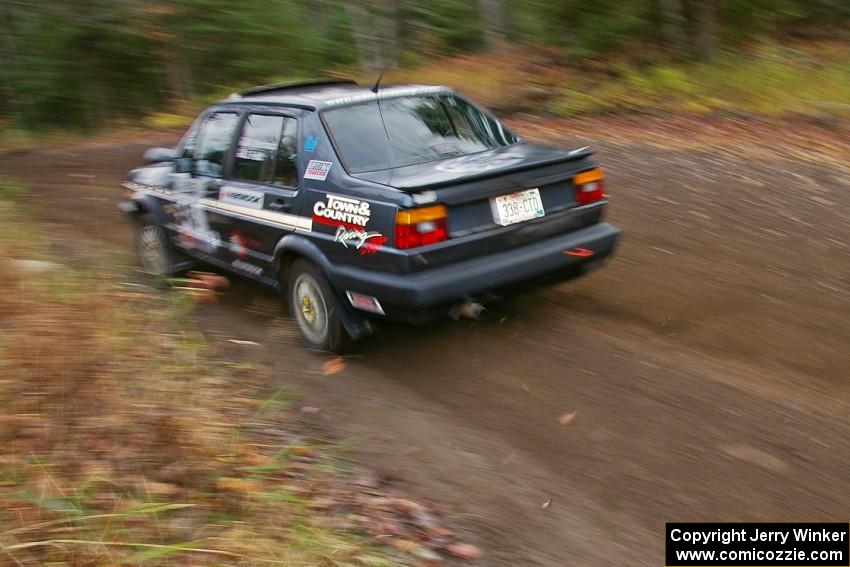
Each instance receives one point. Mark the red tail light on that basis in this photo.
(419, 227)
(590, 186)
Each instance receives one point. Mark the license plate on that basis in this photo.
(517, 207)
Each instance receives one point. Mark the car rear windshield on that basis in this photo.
(412, 130)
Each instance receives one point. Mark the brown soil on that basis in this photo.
(706, 364)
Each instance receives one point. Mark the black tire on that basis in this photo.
(153, 247)
(315, 308)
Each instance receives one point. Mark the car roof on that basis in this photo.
(317, 95)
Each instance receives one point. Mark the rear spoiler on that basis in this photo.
(570, 156)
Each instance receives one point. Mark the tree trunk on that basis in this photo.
(705, 16)
(492, 16)
(673, 26)
(8, 55)
(388, 33)
(176, 70)
(358, 15)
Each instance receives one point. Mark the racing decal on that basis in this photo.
(317, 169)
(251, 154)
(366, 242)
(311, 143)
(386, 93)
(272, 218)
(342, 211)
(244, 197)
(257, 144)
(255, 149)
(240, 244)
(189, 218)
(350, 217)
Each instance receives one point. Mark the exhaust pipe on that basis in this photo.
(468, 310)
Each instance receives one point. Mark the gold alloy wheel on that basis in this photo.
(152, 249)
(312, 311)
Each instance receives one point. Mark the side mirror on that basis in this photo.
(183, 165)
(159, 155)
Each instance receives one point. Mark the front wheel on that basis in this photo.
(315, 308)
(153, 247)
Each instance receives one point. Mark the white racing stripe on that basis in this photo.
(271, 217)
(284, 219)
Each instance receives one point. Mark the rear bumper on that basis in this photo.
(515, 266)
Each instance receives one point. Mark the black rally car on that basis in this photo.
(403, 202)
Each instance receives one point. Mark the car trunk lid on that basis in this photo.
(467, 184)
(467, 187)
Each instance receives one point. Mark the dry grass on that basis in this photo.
(123, 442)
(809, 80)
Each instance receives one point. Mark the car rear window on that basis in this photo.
(412, 130)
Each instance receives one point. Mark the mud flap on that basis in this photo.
(356, 326)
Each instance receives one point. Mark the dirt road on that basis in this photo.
(706, 365)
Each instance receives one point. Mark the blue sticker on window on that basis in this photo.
(311, 143)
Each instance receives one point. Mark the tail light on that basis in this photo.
(590, 186)
(418, 227)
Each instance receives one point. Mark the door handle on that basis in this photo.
(280, 205)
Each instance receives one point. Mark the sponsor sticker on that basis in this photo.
(241, 197)
(257, 144)
(365, 242)
(386, 93)
(249, 154)
(342, 211)
(350, 217)
(311, 143)
(317, 169)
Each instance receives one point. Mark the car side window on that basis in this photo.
(267, 150)
(186, 147)
(255, 153)
(286, 164)
(213, 141)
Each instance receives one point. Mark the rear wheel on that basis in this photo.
(315, 308)
(153, 247)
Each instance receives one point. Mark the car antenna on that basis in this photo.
(383, 122)
(378, 82)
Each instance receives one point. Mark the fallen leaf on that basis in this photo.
(199, 295)
(302, 451)
(566, 418)
(464, 551)
(242, 342)
(405, 545)
(547, 503)
(430, 558)
(333, 366)
(162, 489)
(209, 281)
(237, 485)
